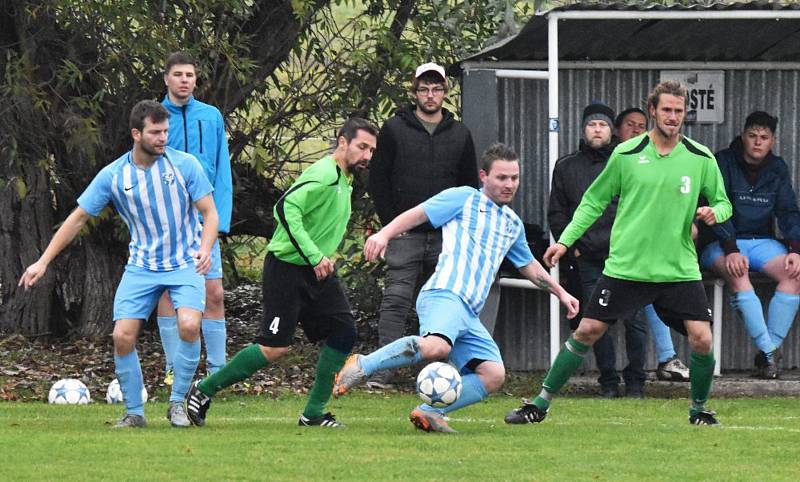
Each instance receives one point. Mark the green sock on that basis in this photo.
(329, 364)
(701, 374)
(248, 361)
(567, 361)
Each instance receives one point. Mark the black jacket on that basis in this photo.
(410, 165)
(572, 176)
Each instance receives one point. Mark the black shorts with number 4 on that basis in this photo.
(292, 295)
(674, 302)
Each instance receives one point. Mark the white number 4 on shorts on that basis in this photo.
(273, 327)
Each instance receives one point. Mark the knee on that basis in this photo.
(124, 341)
(588, 333)
(272, 353)
(188, 325)
(342, 339)
(215, 297)
(433, 347)
(493, 376)
(701, 342)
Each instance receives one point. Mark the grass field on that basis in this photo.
(248, 438)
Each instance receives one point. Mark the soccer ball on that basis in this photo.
(114, 393)
(69, 391)
(439, 384)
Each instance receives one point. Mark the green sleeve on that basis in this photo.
(296, 206)
(594, 202)
(714, 190)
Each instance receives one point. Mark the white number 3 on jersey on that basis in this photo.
(686, 184)
(273, 327)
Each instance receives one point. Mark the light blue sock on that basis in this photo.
(472, 391)
(214, 335)
(129, 375)
(399, 353)
(168, 329)
(780, 315)
(752, 312)
(661, 335)
(186, 358)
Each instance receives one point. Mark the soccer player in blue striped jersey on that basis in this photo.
(160, 193)
(479, 229)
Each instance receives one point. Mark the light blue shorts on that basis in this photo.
(758, 251)
(444, 313)
(139, 290)
(216, 262)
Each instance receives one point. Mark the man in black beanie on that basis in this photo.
(571, 178)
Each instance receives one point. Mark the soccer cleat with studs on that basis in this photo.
(673, 370)
(349, 376)
(706, 417)
(430, 421)
(527, 413)
(176, 414)
(197, 404)
(131, 421)
(328, 420)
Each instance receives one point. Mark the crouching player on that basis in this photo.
(479, 229)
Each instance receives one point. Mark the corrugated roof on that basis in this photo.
(728, 40)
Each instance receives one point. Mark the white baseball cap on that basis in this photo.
(430, 67)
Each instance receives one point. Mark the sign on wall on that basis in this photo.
(706, 94)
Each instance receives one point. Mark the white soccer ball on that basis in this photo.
(69, 391)
(114, 393)
(439, 384)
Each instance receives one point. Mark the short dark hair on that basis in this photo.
(760, 118)
(350, 128)
(671, 87)
(429, 77)
(497, 152)
(179, 58)
(624, 113)
(147, 109)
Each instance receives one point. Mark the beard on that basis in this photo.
(428, 110)
(150, 150)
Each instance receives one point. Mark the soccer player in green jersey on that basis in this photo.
(658, 177)
(299, 281)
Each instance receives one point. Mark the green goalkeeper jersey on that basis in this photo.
(651, 237)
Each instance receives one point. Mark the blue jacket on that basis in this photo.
(755, 205)
(198, 128)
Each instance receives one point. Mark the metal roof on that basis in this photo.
(635, 39)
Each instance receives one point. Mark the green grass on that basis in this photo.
(250, 438)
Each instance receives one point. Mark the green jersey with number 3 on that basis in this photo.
(651, 237)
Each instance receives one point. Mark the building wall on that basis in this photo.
(521, 119)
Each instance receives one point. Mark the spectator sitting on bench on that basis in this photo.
(759, 186)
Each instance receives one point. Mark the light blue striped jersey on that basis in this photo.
(476, 235)
(157, 204)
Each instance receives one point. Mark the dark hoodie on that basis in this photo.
(410, 165)
(572, 176)
(757, 195)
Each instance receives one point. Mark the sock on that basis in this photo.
(701, 374)
(472, 391)
(752, 312)
(248, 361)
(661, 335)
(168, 329)
(187, 357)
(329, 364)
(214, 335)
(399, 353)
(568, 360)
(129, 375)
(780, 315)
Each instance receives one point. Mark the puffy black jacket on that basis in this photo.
(410, 165)
(572, 176)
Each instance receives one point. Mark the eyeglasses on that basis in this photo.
(425, 91)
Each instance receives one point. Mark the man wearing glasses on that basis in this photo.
(422, 150)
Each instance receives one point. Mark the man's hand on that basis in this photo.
(323, 269)
(706, 214)
(33, 274)
(202, 262)
(375, 246)
(571, 304)
(792, 264)
(736, 265)
(554, 253)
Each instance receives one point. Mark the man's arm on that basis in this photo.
(468, 166)
(558, 209)
(210, 230)
(376, 244)
(537, 275)
(223, 182)
(65, 234)
(380, 186)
